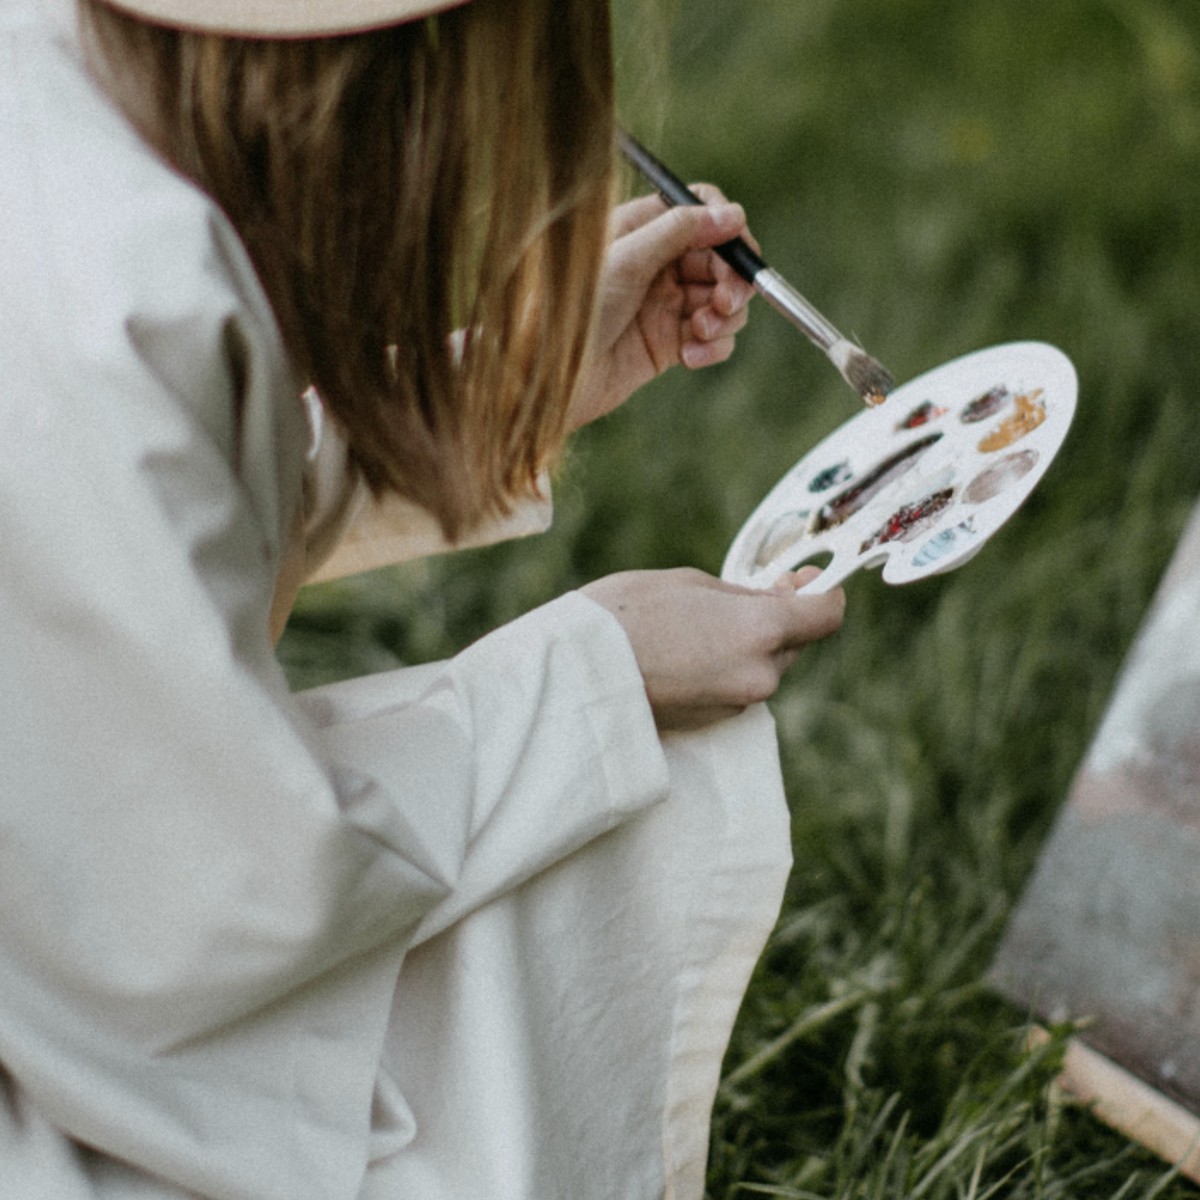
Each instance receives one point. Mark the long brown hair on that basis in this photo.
(452, 173)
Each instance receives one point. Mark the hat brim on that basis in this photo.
(282, 18)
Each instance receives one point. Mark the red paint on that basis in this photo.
(904, 520)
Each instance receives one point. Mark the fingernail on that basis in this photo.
(738, 298)
(729, 216)
(692, 354)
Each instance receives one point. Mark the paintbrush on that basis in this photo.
(858, 368)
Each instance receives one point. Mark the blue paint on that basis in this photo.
(943, 543)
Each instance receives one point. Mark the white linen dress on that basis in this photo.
(467, 930)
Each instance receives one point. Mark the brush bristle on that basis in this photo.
(870, 380)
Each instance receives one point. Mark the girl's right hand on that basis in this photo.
(708, 649)
(665, 297)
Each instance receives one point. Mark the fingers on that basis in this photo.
(771, 629)
(633, 214)
(791, 582)
(706, 647)
(803, 575)
(656, 236)
(666, 254)
(714, 312)
(815, 617)
(715, 309)
(650, 247)
(713, 319)
(697, 354)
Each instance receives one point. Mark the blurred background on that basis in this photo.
(936, 177)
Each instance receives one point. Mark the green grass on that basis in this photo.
(937, 177)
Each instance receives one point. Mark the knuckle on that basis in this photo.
(682, 220)
(757, 684)
(777, 629)
(709, 193)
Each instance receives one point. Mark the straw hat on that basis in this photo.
(282, 18)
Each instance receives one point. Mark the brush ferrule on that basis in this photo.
(782, 296)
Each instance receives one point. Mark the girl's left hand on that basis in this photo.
(665, 297)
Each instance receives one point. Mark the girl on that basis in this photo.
(474, 929)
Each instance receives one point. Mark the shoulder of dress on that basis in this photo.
(131, 309)
(120, 265)
(98, 224)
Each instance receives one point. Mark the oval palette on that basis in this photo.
(918, 484)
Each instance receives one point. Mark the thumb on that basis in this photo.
(641, 254)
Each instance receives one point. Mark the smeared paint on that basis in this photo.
(845, 505)
(781, 536)
(943, 543)
(822, 481)
(1000, 476)
(1030, 413)
(922, 415)
(984, 406)
(906, 522)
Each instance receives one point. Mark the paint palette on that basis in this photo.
(918, 484)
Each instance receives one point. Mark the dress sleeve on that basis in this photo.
(207, 885)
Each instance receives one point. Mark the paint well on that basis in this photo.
(910, 519)
(944, 542)
(1000, 476)
(823, 480)
(987, 405)
(781, 536)
(1030, 412)
(922, 415)
(845, 505)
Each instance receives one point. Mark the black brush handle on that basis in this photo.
(737, 253)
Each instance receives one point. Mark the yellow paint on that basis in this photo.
(1030, 413)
